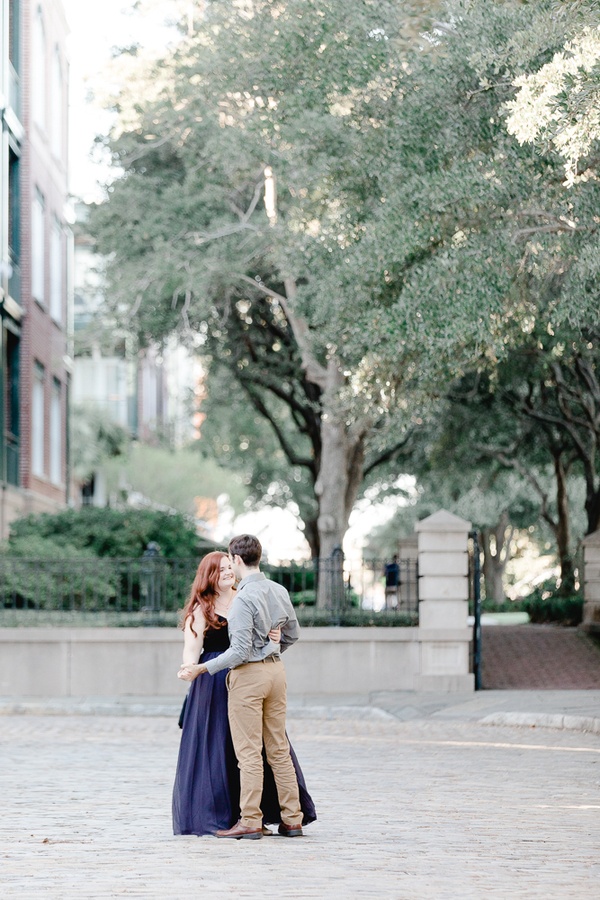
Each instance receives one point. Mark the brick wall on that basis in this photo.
(43, 340)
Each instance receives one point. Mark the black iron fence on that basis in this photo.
(475, 598)
(340, 591)
(151, 590)
(145, 588)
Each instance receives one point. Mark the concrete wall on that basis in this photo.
(108, 662)
(143, 662)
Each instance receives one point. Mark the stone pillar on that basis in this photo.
(591, 583)
(444, 636)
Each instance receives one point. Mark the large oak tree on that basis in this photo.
(341, 216)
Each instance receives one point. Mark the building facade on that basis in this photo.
(149, 392)
(34, 261)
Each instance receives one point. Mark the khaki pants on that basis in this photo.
(257, 710)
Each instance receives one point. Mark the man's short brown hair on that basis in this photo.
(248, 547)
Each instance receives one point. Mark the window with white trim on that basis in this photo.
(38, 252)
(56, 271)
(56, 432)
(37, 420)
(38, 59)
(57, 105)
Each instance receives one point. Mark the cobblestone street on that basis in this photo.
(418, 809)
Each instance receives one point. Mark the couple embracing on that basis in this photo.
(236, 771)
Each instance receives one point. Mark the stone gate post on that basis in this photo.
(591, 583)
(444, 636)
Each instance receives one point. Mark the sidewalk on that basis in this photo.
(570, 710)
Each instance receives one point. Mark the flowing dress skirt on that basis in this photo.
(206, 794)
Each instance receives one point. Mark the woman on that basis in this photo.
(207, 782)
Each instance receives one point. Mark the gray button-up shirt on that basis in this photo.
(258, 606)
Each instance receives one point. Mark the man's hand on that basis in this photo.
(190, 672)
(275, 635)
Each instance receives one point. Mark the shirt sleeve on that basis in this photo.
(240, 639)
(290, 632)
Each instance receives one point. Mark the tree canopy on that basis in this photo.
(326, 198)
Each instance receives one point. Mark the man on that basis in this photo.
(257, 690)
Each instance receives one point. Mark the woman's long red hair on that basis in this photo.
(204, 591)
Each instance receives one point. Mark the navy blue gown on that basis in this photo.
(206, 794)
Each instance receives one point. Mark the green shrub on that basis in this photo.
(109, 532)
(492, 606)
(561, 610)
(69, 560)
(304, 598)
(312, 617)
(38, 573)
(294, 578)
(35, 546)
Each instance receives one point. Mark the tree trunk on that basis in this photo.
(341, 459)
(311, 533)
(338, 483)
(496, 545)
(567, 574)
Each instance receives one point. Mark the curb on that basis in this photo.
(171, 709)
(74, 707)
(87, 708)
(544, 720)
(340, 712)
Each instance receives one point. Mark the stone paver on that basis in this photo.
(418, 809)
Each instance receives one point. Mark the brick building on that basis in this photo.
(34, 253)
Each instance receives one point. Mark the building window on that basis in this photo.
(39, 70)
(38, 256)
(56, 432)
(56, 272)
(14, 15)
(14, 63)
(14, 227)
(57, 106)
(37, 420)
(11, 406)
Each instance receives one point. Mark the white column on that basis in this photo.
(442, 541)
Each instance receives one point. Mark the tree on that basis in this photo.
(455, 469)
(212, 179)
(560, 392)
(375, 214)
(94, 438)
(487, 414)
(244, 441)
(172, 478)
(559, 103)
(538, 412)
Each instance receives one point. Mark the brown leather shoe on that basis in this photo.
(241, 831)
(290, 830)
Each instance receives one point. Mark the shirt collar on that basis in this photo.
(254, 576)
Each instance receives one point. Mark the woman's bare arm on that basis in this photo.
(192, 647)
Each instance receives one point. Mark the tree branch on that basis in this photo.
(204, 237)
(292, 457)
(315, 372)
(388, 454)
(512, 463)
